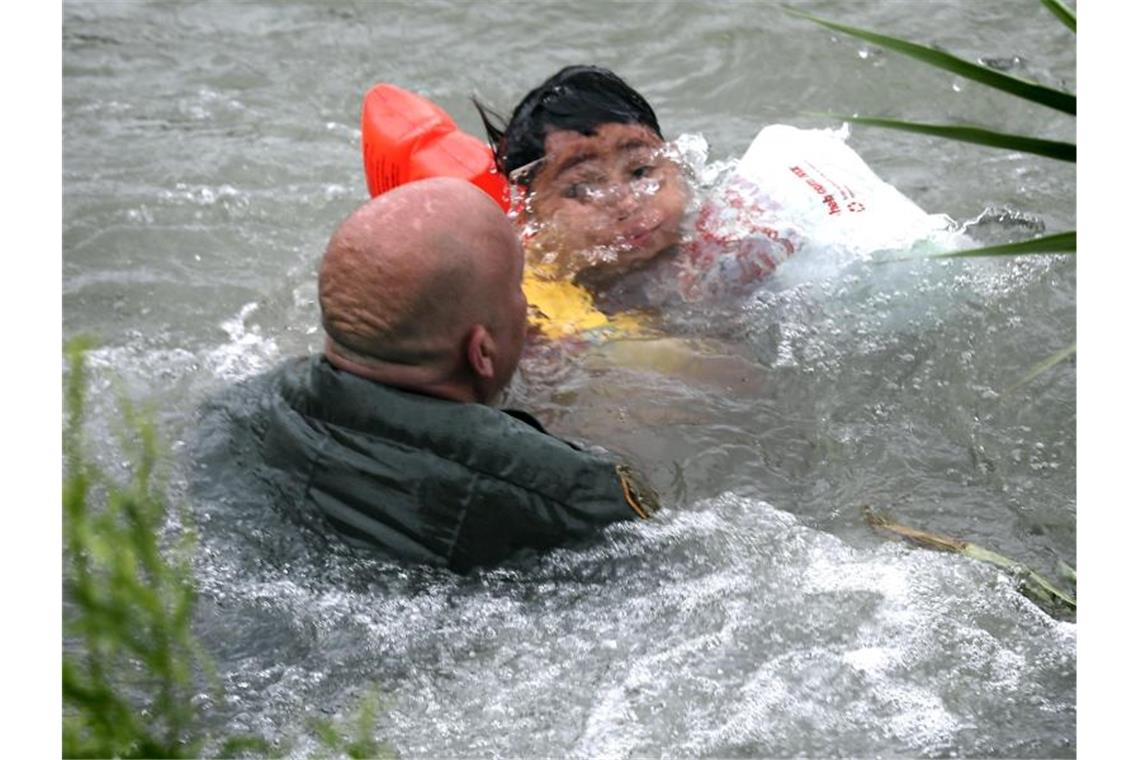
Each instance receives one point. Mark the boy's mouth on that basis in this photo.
(639, 236)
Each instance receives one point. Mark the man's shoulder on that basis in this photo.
(315, 392)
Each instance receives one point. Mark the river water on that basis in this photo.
(211, 148)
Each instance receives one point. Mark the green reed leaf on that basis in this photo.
(1032, 91)
(1062, 151)
(1062, 242)
(1060, 10)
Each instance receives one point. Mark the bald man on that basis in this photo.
(421, 289)
(390, 434)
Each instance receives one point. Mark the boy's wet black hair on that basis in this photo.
(578, 98)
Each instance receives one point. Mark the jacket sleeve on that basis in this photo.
(501, 518)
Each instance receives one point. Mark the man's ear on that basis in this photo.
(481, 352)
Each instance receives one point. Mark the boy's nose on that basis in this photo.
(624, 199)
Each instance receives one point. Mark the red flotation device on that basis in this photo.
(406, 137)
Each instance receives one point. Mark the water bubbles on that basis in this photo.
(203, 701)
(247, 352)
(1003, 63)
(140, 215)
(645, 188)
(348, 131)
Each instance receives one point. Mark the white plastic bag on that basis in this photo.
(822, 187)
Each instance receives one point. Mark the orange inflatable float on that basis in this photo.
(406, 137)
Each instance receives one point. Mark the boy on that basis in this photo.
(606, 201)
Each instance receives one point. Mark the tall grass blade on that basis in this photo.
(1052, 361)
(1062, 151)
(1062, 242)
(1060, 10)
(1037, 93)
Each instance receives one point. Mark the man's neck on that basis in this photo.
(427, 381)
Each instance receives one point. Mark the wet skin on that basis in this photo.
(510, 322)
(604, 204)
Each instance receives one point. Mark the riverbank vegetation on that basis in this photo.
(132, 668)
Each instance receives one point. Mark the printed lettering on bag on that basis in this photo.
(828, 198)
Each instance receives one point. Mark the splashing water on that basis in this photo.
(759, 616)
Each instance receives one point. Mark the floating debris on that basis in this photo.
(1030, 583)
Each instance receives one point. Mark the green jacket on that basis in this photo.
(436, 481)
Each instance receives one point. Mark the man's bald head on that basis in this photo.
(407, 276)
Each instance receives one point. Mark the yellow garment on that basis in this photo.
(560, 308)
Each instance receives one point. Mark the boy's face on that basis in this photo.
(605, 204)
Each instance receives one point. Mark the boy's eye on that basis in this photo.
(576, 191)
(643, 171)
(584, 190)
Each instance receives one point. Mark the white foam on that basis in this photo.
(248, 351)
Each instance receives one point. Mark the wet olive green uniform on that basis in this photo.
(431, 480)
